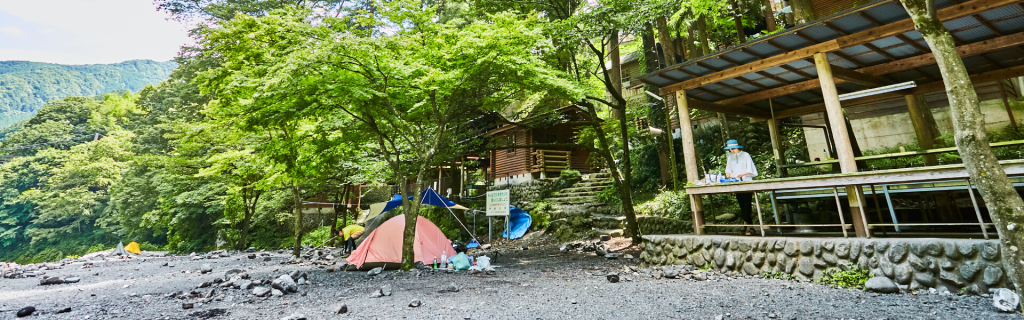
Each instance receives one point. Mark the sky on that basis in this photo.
(87, 31)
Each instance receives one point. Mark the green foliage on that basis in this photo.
(669, 204)
(26, 86)
(708, 266)
(839, 278)
(317, 237)
(541, 214)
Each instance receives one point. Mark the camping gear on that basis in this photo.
(460, 261)
(119, 250)
(384, 244)
(483, 262)
(472, 244)
(133, 247)
(429, 196)
(727, 180)
(519, 221)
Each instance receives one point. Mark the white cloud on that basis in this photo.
(89, 31)
(12, 31)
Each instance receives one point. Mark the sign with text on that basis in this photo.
(497, 203)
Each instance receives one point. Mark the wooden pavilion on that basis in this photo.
(863, 55)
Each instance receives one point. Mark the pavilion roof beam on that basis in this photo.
(885, 68)
(706, 90)
(784, 66)
(740, 110)
(925, 88)
(888, 30)
(906, 40)
(762, 73)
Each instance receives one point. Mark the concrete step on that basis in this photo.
(573, 194)
(606, 217)
(574, 200)
(610, 232)
(582, 189)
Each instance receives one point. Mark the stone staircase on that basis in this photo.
(579, 206)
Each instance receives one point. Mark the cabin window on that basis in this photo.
(510, 140)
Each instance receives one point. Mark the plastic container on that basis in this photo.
(444, 260)
(483, 261)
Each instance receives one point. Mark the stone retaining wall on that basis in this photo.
(911, 263)
(661, 225)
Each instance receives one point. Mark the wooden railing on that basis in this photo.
(551, 160)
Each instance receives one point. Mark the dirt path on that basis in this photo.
(538, 283)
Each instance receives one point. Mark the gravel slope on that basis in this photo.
(539, 283)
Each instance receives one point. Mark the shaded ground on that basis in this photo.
(538, 283)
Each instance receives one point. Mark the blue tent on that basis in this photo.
(520, 222)
(428, 196)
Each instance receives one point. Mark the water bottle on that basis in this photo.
(444, 260)
(435, 262)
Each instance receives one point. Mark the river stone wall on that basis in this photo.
(912, 263)
(662, 225)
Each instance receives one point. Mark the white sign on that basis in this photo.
(497, 203)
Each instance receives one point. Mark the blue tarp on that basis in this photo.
(520, 222)
(428, 196)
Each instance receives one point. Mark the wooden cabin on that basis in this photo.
(526, 150)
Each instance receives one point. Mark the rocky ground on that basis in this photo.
(540, 282)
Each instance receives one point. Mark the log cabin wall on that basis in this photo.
(513, 163)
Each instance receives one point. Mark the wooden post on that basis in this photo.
(924, 125)
(840, 136)
(690, 159)
(773, 131)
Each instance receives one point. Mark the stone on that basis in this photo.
(947, 265)
(251, 256)
(295, 316)
(245, 285)
(730, 260)
(698, 260)
(855, 249)
(452, 287)
(932, 249)
(742, 246)
(771, 258)
(789, 265)
(65, 310)
(990, 251)
(917, 263)
(806, 266)
(50, 280)
(806, 247)
(828, 245)
(1005, 300)
(374, 271)
(829, 258)
(843, 249)
(276, 293)
(26, 311)
(950, 249)
(719, 256)
(490, 271)
(611, 256)
(206, 268)
(915, 248)
(757, 259)
(791, 248)
(881, 285)
(903, 274)
(967, 249)
(750, 269)
(769, 245)
(285, 284)
(260, 291)
(612, 277)
(72, 280)
(925, 279)
(302, 281)
(266, 259)
(342, 309)
(993, 275)
(627, 256)
(187, 306)
(887, 268)
(780, 244)
(231, 273)
(951, 278)
(817, 249)
(970, 270)
(415, 304)
(897, 253)
(864, 262)
(605, 237)
(386, 290)
(716, 242)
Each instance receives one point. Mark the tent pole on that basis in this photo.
(456, 217)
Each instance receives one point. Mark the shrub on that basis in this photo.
(668, 204)
(317, 237)
(838, 278)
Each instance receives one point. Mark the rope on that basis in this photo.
(453, 215)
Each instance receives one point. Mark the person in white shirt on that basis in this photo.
(741, 166)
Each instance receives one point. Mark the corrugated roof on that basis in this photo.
(989, 24)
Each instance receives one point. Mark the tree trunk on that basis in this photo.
(702, 31)
(738, 19)
(665, 37)
(621, 181)
(297, 196)
(802, 12)
(616, 70)
(1004, 203)
(691, 45)
(769, 15)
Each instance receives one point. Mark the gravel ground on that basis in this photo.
(538, 283)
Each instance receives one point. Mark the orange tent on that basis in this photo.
(384, 244)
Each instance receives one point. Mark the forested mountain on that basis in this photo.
(25, 86)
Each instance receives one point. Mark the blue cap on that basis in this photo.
(732, 144)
